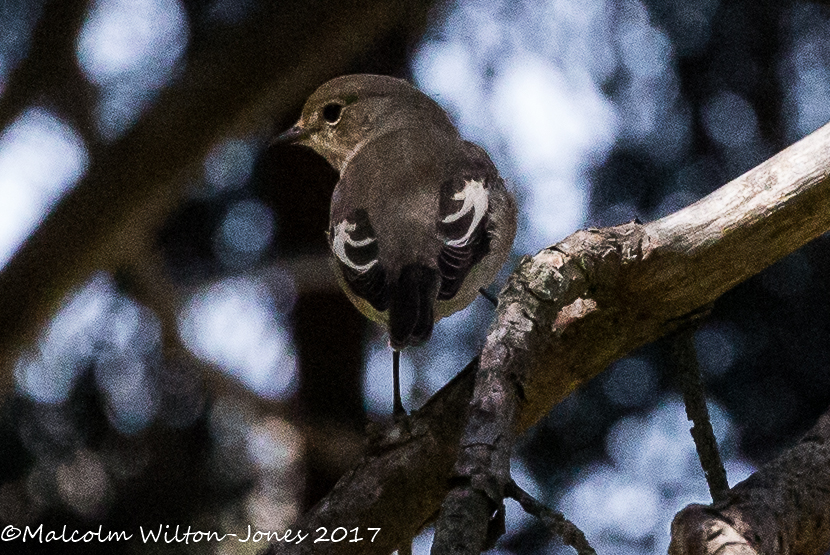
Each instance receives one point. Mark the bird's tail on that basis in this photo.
(411, 307)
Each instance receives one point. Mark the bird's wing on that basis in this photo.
(408, 293)
(410, 219)
(355, 244)
(384, 211)
(463, 218)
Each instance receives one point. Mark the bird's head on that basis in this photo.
(348, 111)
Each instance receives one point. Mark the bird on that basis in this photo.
(420, 220)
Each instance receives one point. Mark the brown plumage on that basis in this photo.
(420, 219)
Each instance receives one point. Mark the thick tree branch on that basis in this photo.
(482, 470)
(399, 485)
(572, 309)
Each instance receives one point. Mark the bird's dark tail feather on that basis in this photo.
(411, 306)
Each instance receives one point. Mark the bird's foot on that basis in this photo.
(400, 417)
(489, 296)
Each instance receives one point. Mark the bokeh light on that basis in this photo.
(229, 164)
(653, 473)
(99, 329)
(40, 158)
(805, 70)
(232, 323)
(245, 233)
(131, 49)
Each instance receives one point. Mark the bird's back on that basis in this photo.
(408, 222)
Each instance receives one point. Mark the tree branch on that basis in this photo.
(574, 308)
(697, 412)
(482, 470)
(553, 521)
(781, 509)
(50, 70)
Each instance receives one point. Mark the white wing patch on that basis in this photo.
(475, 198)
(342, 237)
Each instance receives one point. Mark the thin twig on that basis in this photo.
(697, 412)
(553, 520)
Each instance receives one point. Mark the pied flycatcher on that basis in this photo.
(420, 219)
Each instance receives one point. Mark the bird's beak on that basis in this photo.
(292, 135)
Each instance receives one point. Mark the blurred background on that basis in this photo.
(174, 348)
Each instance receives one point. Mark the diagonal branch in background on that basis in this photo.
(576, 307)
(50, 70)
(239, 85)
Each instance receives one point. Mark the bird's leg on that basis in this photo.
(489, 296)
(398, 412)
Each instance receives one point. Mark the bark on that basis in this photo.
(697, 412)
(782, 509)
(572, 309)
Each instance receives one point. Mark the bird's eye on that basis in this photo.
(331, 112)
